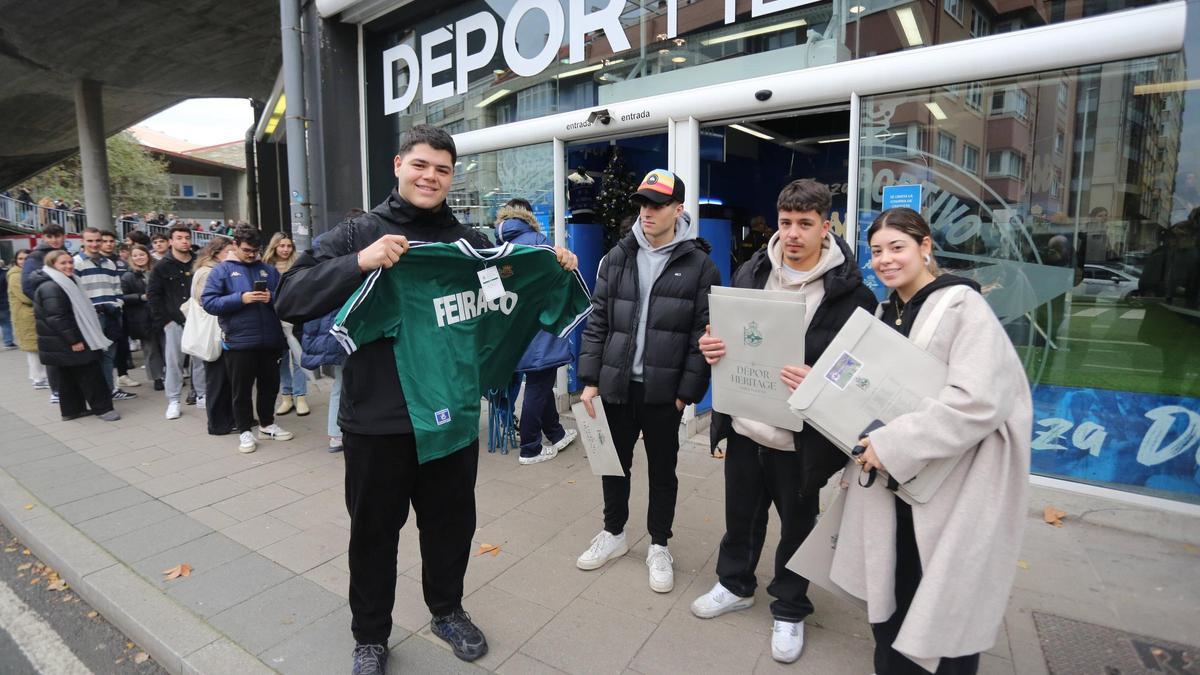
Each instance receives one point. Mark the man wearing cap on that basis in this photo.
(640, 355)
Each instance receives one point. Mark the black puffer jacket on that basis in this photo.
(844, 292)
(56, 326)
(672, 366)
(137, 309)
(323, 279)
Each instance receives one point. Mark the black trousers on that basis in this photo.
(539, 414)
(53, 376)
(248, 368)
(218, 397)
(82, 390)
(382, 479)
(755, 478)
(659, 425)
(888, 661)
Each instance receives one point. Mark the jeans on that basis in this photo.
(659, 425)
(107, 359)
(539, 412)
(173, 355)
(6, 326)
(335, 402)
(293, 381)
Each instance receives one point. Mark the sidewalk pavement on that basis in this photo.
(112, 505)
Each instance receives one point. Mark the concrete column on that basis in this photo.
(93, 155)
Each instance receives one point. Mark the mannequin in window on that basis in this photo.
(581, 195)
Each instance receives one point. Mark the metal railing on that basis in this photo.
(32, 217)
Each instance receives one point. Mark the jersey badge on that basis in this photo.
(442, 416)
(506, 271)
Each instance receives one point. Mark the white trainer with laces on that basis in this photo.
(605, 546)
(246, 443)
(173, 410)
(275, 433)
(200, 403)
(718, 601)
(662, 572)
(566, 440)
(787, 639)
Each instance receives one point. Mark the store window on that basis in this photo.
(1089, 254)
(484, 182)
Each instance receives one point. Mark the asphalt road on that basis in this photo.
(46, 628)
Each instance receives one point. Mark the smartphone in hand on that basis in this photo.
(260, 286)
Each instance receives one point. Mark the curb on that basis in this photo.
(178, 641)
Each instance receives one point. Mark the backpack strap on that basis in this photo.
(931, 323)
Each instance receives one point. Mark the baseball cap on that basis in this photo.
(659, 187)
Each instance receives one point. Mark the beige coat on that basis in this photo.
(21, 308)
(969, 533)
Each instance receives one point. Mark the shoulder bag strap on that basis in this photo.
(925, 335)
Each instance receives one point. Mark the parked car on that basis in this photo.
(1109, 283)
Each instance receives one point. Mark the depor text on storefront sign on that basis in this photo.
(575, 24)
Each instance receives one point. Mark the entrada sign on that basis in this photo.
(575, 24)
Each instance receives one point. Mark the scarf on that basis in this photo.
(85, 312)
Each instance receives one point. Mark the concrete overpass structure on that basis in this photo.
(74, 72)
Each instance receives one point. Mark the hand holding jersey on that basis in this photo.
(383, 253)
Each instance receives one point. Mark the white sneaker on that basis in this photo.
(718, 601)
(605, 546)
(787, 639)
(662, 574)
(548, 452)
(274, 433)
(200, 404)
(173, 410)
(246, 443)
(566, 440)
(127, 381)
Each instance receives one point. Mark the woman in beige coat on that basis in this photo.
(936, 576)
(23, 322)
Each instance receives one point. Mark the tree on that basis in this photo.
(137, 180)
(617, 185)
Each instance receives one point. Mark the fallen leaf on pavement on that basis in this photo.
(494, 549)
(570, 482)
(28, 507)
(24, 566)
(1022, 564)
(180, 570)
(56, 584)
(93, 614)
(1191, 548)
(128, 645)
(10, 549)
(141, 658)
(25, 552)
(1053, 515)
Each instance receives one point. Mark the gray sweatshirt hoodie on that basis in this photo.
(650, 263)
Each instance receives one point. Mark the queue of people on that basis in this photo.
(646, 354)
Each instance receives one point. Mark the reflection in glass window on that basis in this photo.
(955, 9)
(1084, 232)
(945, 147)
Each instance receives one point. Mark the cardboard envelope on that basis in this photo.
(597, 439)
(871, 373)
(761, 337)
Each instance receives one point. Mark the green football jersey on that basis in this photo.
(453, 344)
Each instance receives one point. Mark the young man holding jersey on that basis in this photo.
(383, 474)
(766, 465)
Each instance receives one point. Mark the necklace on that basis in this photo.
(899, 311)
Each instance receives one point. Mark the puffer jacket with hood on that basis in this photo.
(519, 226)
(649, 308)
(831, 297)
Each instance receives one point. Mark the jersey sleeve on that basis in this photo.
(567, 304)
(362, 319)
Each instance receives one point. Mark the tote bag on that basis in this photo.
(201, 333)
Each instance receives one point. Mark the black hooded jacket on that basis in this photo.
(907, 311)
(844, 293)
(673, 366)
(323, 279)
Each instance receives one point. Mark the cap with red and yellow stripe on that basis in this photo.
(660, 187)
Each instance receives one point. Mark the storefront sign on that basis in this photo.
(1127, 438)
(576, 24)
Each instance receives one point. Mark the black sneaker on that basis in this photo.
(122, 395)
(191, 397)
(370, 660)
(464, 637)
(158, 385)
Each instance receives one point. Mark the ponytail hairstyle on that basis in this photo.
(904, 219)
